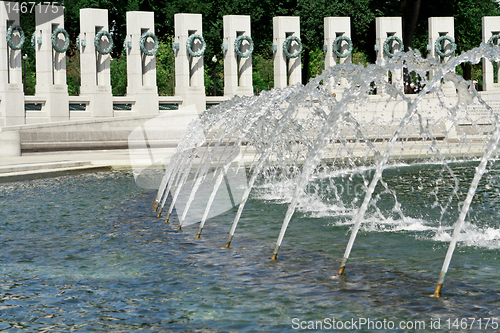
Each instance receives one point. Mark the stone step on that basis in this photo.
(45, 173)
(15, 168)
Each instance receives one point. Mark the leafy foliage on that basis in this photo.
(73, 78)
(165, 67)
(119, 75)
(467, 13)
(263, 71)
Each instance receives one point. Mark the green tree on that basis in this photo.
(73, 77)
(316, 63)
(468, 15)
(263, 71)
(118, 69)
(165, 63)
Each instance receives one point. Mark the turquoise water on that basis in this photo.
(86, 253)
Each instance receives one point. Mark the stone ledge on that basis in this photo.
(74, 123)
(42, 166)
(36, 174)
(86, 145)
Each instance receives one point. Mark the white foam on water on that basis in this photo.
(315, 207)
(281, 192)
(397, 225)
(394, 165)
(311, 204)
(473, 236)
(378, 224)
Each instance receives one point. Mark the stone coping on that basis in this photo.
(75, 122)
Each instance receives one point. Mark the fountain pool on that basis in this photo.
(72, 263)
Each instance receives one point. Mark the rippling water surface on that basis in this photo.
(86, 253)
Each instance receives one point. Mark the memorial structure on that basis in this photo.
(52, 119)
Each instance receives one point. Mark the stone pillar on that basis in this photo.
(50, 64)
(287, 71)
(237, 70)
(11, 84)
(94, 67)
(491, 27)
(141, 68)
(385, 28)
(189, 71)
(441, 26)
(336, 27)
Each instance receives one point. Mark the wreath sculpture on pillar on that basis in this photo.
(142, 43)
(438, 45)
(388, 45)
(337, 44)
(286, 45)
(98, 38)
(55, 33)
(493, 41)
(10, 31)
(190, 42)
(237, 46)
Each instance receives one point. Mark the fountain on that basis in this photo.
(296, 141)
